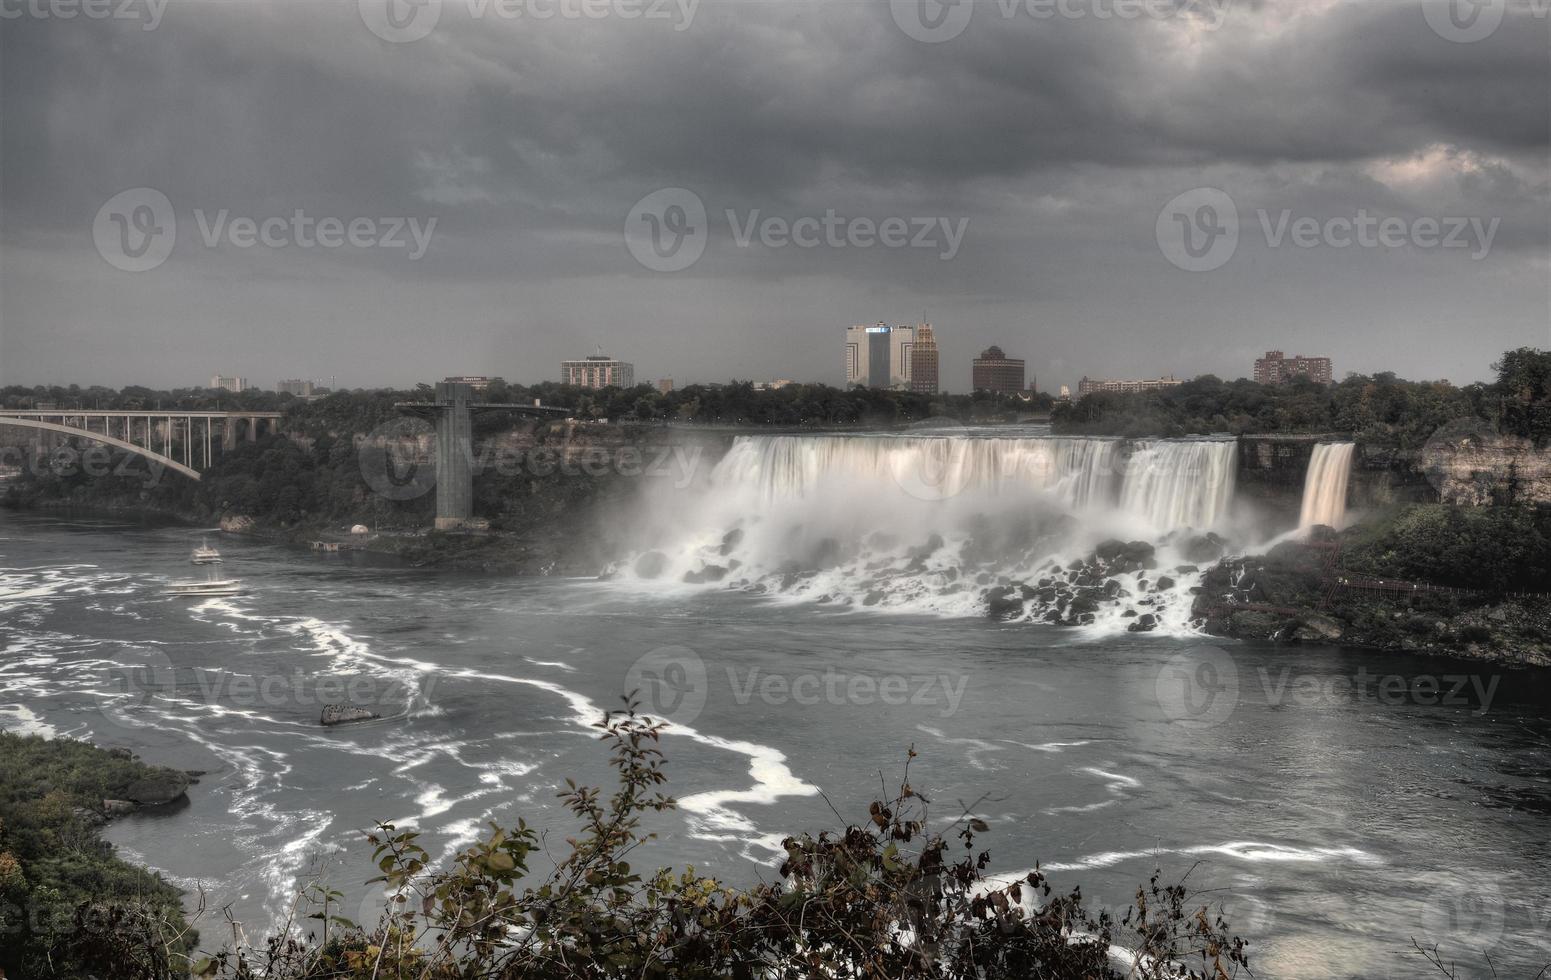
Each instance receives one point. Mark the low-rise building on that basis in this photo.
(224, 383)
(1276, 368)
(1088, 386)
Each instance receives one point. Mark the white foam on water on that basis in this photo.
(22, 720)
(927, 524)
(980, 746)
(1250, 851)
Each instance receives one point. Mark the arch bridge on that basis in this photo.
(158, 435)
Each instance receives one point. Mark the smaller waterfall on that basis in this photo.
(1324, 487)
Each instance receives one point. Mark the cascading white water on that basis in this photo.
(1079, 472)
(936, 523)
(1324, 486)
(1180, 484)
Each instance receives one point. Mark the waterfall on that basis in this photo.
(936, 522)
(1080, 473)
(1180, 484)
(1324, 486)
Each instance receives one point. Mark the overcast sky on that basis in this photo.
(1027, 155)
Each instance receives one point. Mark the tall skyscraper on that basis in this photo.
(879, 356)
(923, 361)
(995, 371)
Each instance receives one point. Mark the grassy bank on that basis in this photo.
(68, 907)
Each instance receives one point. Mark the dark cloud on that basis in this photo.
(1058, 140)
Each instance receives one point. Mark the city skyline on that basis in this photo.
(490, 237)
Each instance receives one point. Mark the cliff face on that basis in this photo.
(1472, 468)
(1272, 470)
(1464, 465)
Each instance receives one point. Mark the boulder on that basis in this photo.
(1145, 623)
(730, 540)
(1318, 629)
(1004, 603)
(1164, 583)
(340, 714)
(1109, 549)
(1204, 548)
(157, 786)
(117, 808)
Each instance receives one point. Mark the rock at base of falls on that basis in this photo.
(340, 714)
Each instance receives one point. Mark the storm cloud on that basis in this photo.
(1056, 134)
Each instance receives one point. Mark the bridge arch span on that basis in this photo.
(108, 440)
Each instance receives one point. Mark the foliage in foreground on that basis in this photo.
(885, 899)
(68, 907)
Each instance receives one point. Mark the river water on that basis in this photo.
(1335, 815)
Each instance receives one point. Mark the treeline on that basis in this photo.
(1380, 409)
(735, 403)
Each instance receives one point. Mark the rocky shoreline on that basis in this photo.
(1284, 596)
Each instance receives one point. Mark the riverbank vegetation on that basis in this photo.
(887, 896)
(1380, 409)
(69, 907)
